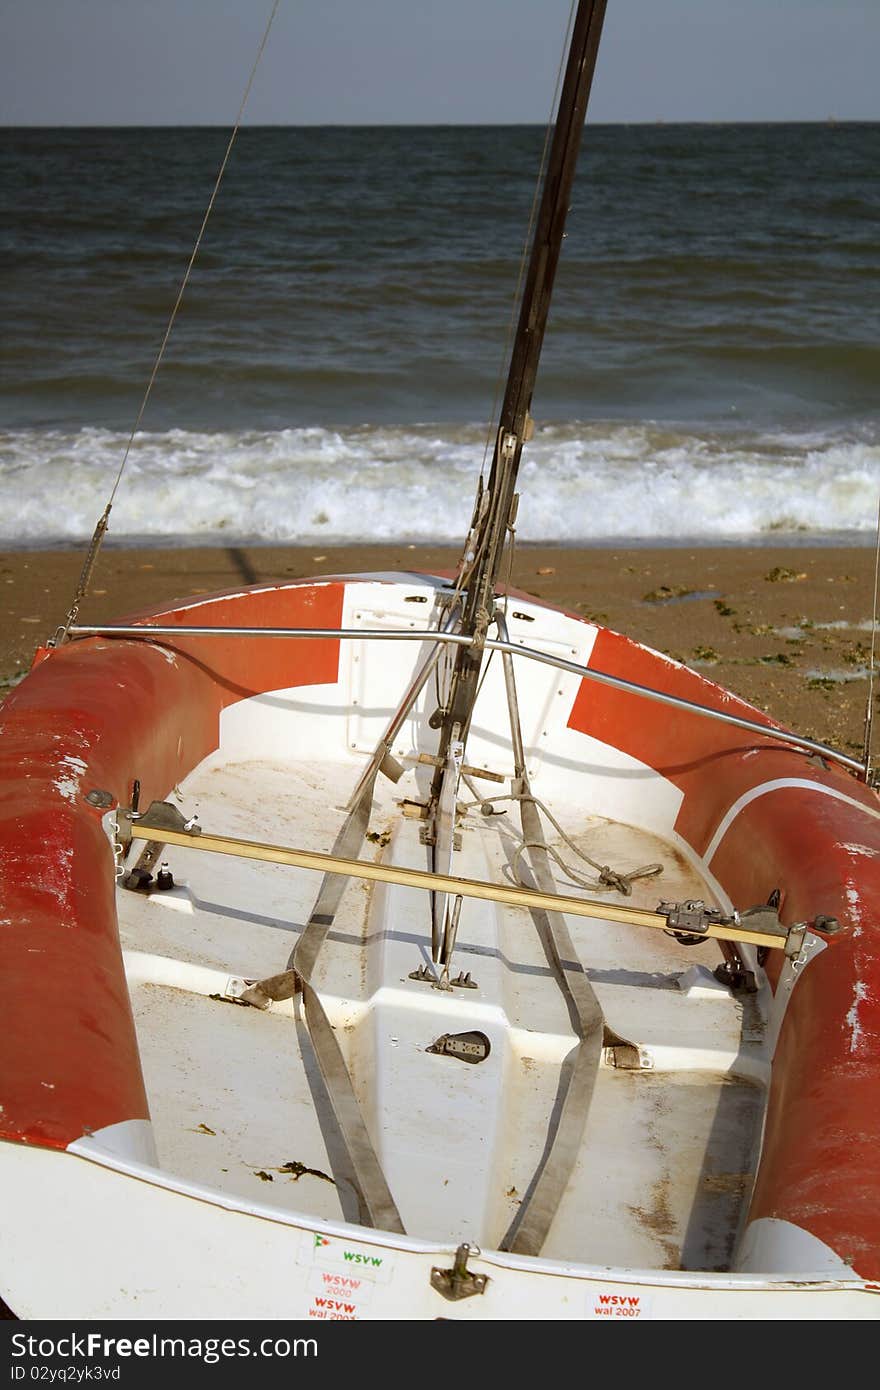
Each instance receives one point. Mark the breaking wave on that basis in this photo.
(598, 482)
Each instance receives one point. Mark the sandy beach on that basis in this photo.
(788, 629)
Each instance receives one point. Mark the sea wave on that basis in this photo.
(579, 483)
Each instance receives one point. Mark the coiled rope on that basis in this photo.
(608, 878)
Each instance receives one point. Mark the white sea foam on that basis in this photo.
(579, 482)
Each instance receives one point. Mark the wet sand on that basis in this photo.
(788, 629)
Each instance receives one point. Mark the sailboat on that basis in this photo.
(400, 947)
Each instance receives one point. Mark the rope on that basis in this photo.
(608, 877)
(101, 528)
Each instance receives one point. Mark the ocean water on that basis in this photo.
(711, 370)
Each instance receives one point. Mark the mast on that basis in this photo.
(494, 508)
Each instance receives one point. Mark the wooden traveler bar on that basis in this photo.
(732, 930)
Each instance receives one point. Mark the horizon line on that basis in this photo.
(430, 125)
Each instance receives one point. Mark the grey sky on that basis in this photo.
(338, 61)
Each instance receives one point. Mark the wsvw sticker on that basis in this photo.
(617, 1306)
(358, 1261)
(330, 1283)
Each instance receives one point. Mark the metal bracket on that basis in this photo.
(463, 981)
(426, 976)
(161, 815)
(798, 949)
(508, 445)
(459, 1282)
(139, 879)
(794, 946)
(427, 836)
(432, 760)
(689, 921)
(628, 1057)
(470, 1047)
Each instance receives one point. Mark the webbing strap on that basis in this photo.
(528, 1231)
(374, 1194)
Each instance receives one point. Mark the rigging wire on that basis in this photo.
(527, 241)
(468, 560)
(101, 527)
(869, 709)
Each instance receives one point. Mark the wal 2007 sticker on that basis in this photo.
(602, 1303)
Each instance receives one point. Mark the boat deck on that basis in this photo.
(236, 1097)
